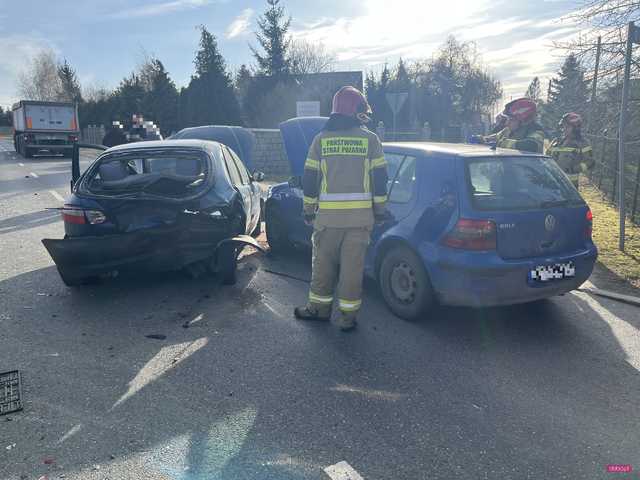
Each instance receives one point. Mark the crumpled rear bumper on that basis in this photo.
(152, 250)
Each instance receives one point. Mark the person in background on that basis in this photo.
(572, 152)
(115, 135)
(522, 131)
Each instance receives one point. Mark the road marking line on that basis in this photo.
(56, 195)
(342, 471)
(21, 164)
(34, 175)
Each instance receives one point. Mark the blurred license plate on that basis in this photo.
(545, 273)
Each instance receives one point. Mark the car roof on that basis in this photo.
(454, 149)
(198, 144)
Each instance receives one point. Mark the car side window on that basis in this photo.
(234, 175)
(404, 182)
(394, 160)
(244, 175)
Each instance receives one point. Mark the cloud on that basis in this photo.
(17, 52)
(163, 8)
(240, 25)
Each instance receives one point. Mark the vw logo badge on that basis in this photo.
(550, 223)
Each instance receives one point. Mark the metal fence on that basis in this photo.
(604, 175)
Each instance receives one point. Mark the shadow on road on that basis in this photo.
(28, 220)
(239, 390)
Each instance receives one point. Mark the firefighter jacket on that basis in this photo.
(572, 155)
(528, 138)
(345, 178)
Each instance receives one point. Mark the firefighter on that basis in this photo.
(115, 135)
(572, 152)
(345, 193)
(522, 131)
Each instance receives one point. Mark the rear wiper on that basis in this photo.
(554, 203)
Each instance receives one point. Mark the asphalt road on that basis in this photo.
(545, 391)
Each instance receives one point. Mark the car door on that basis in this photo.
(401, 188)
(243, 189)
(254, 190)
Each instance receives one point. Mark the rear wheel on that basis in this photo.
(276, 231)
(405, 284)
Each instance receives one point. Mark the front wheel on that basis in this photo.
(405, 283)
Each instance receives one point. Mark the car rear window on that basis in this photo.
(160, 173)
(519, 183)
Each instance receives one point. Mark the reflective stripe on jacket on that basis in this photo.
(572, 155)
(345, 178)
(527, 138)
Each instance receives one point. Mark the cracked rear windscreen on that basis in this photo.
(169, 174)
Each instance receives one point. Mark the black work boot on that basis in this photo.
(346, 322)
(308, 313)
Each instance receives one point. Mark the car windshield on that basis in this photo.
(519, 183)
(170, 174)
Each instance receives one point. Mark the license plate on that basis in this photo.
(545, 273)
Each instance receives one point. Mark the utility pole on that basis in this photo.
(633, 34)
(594, 85)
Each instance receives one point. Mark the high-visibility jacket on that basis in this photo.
(574, 155)
(345, 178)
(528, 138)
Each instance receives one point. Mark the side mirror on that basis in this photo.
(294, 182)
(258, 176)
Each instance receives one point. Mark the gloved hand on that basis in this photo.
(308, 219)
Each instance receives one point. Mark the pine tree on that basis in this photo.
(534, 92)
(128, 98)
(69, 85)
(568, 92)
(273, 39)
(160, 102)
(210, 97)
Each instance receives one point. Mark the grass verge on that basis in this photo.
(606, 235)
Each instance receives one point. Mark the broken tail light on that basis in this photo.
(472, 235)
(80, 216)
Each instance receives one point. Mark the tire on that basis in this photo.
(276, 231)
(405, 284)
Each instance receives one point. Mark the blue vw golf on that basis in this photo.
(469, 225)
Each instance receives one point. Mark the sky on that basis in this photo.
(104, 41)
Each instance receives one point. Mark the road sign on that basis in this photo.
(396, 101)
(308, 109)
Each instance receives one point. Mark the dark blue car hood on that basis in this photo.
(297, 134)
(239, 139)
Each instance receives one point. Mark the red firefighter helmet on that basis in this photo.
(571, 118)
(351, 102)
(522, 109)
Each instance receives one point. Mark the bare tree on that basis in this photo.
(40, 81)
(307, 57)
(607, 19)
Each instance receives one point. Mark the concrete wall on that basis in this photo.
(269, 155)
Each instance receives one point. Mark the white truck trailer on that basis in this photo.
(45, 128)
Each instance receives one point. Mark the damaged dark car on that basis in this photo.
(157, 206)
